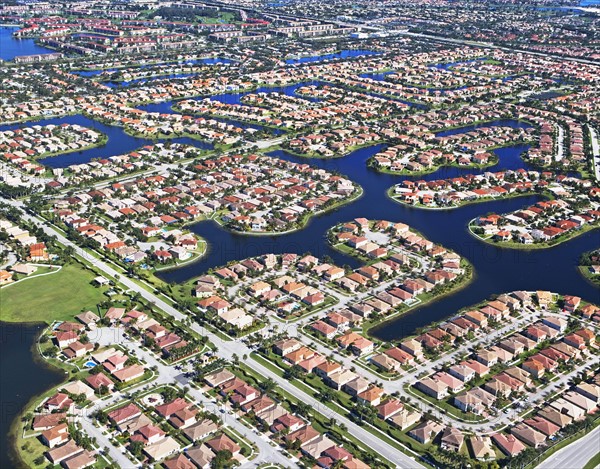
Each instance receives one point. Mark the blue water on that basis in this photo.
(344, 54)
(288, 90)
(90, 364)
(497, 123)
(11, 47)
(118, 141)
(205, 61)
(22, 376)
(496, 270)
(449, 65)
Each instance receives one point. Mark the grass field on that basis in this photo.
(58, 296)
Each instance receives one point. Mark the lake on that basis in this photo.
(11, 47)
(496, 269)
(21, 377)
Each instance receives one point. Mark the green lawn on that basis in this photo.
(592, 463)
(58, 296)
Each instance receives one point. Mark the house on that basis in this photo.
(317, 446)
(356, 386)
(452, 439)
(168, 409)
(426, 431)
(528, 435)
(566, 407)
(123, 414)
(200, 430)
(413, 347)
(508, 444)
(475, 400)
(304, 435)
(534, 367)
(326, 369)
(88, 319)
(56, 435)
(488, 357)
(43, 422)
(80, 461)
(285, 346)
(371, 396)
(555, 416)
(163, 448)
(98, 380)
(389, 408)
(324, 329)
(287, 423)
(481, 448)
(223, 442)
(386, 363)
(542, 425)
(66, 451)
(129, 373)
(338, 379)
(201, 456)
(179, 462)
(432, 387)
(462, 372)
(60, 401)
(589, 405)
(405, 419)
(148, 434)
(591, 391)
(64, 339)
(454, 384)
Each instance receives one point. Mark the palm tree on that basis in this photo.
(267, 386)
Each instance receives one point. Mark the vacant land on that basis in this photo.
(51, 297)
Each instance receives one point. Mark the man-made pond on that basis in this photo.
(119, 142)
(496, 269)
(22, 376)
(343, 54)
(10, 47)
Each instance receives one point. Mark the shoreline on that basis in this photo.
(14, 452)
(571, 235)
(371, 331)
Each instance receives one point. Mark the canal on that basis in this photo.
(496, 269)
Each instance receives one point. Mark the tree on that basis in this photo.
(222, 459)
(136, 448)
(293, 373)
(267, 386)
(303, 408)
(326, 395)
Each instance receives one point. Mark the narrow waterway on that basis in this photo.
(496, 269)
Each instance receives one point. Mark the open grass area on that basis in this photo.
(593, 463)
(50, 298)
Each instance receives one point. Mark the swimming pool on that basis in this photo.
(90, 364)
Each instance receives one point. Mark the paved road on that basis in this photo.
(108, 336)
(226, 349)
(595, 151)
(576, 455)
